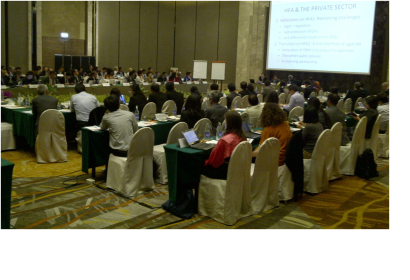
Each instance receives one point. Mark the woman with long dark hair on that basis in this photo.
(312, 129)
(217, 165)
(138, 98)
(192, 112)
(324, 118)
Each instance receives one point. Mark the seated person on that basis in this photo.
(216, 112)
(282, 86)
(262, 79)
(177, 97)
(173, 78)
(110, 74)
(93, 77)
(188, 77)
(291, 81)
(244, 87)
(383, 110)
(267, 90)
(75, 78)
(312, 129)
(30, 80)
(120, 72)
(194, 90)
(354, 94)
(215, 88)
(140, 78)
(116, 91)
(217, 165)
(42, 102)
(251, 89)
(336, 115)
(121, 124)
(254, 111)
(148, 79)
(159, 98)
(17, 79)
(138, 98)
(192, 111)
(323, 116)
(274, 123)
(50, 79)
(296, 99)
(162, 78)
(131, 76)
(232, 94)
(4, 76)
(272, 98)
(308, 89)
(82, 104)
(67, 79)
(371, 114)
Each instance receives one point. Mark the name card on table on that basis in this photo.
(60, 75)
(158, 83)
(197, 83)
(28, 112)
(188, 83)
(145, 84)
(95, 85)
(59, 85)
(126, 84)
(32, 86)
(204, 82)
(183, 142)
(87, 85)
(3, 86)
(106, 84)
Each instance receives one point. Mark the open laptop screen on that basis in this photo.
(245, 127)
(190, 136)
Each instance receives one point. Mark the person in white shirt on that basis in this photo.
(296, 99)
(139, 79)
(254, 111)
(82, 104)
(383, 110)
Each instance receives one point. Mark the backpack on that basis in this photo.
(366, 166)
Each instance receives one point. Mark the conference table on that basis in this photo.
(95, 143)
(6, 181)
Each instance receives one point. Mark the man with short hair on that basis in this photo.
(131, 76)
(232, 95)
(93, 77)
(11, 71)
(383, 110)
(385, 87)
(215, 113)
(75, 78)
(120, 72)
(296, 99)
(267, 90)
(337, 115)
(308, 89)
(41, 103)
(82, 104)
(162, 78)
(177, 97)
(50, 79)
(254, 111)
(120, 123)
(215, 88)
(67, 79)
(291, 81)
(104, 72)
(244, 87)
(371, 114)
(354, 94)
(159, 98)
(17, 79)
(262, 79)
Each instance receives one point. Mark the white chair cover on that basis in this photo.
(159, 152)
(7, 137)
(124, 107)
(373, 142)
(79, 140)
(315, 169)
(134, 173)
(264, 178)
(356, 104)
(238, 101)
(260, 98)
(245, 101)
(223, 101)
(321, 92)
(333, 170)
(383, 145)
(286, 185)
(226, 201)
(350, 152)
(348, 105)
(168, 107)
(200, 127)
(288, 95)
(205, 104)
(282, 98)
(340, 105)
(245, 117)
(150, 109)
(313, 94)
(295, 113)
(51, 143)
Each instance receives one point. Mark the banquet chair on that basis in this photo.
(356, 104)
(133, 173)
(8, 142)
(333, 170)
(350, 152)
(149, 110)
(372, 143)
(313, 94)
(340, 105)
(226, 201)
(205, 104)
(287, 95)
(159, 152)
(348, 105)
(51, 143)
(223, 101)
(383, 145)
(245, 117)
(168, 107)
(264, 177)
(245, 101)
(315, 169)
(321, 92)
(237, 101)
(200, 127)
(295, 113)
(282, 98)
(260, 98)
(124, 107)
(96, 116)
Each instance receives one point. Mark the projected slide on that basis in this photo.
(330, 36)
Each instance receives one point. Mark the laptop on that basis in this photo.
(194, 142)
(248, 132)
(252, 81)
(122, 98)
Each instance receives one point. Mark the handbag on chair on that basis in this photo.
(366, 167)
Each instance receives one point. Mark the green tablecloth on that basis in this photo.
(95, 144)
(6, 180)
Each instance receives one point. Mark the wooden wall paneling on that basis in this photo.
(51, 47)
(3, 33)
(108, 33)
(166, 20)
(18, 34)
(74, 47)
(129, 34)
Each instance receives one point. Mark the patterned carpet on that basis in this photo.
(57, 196)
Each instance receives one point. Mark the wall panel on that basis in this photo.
(3, 33)
(148, 34)
(166, 20)
(129, 34)
(18, 34)
(207, 25)
(108, 33)
(185, 35)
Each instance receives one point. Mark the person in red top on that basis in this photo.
(173, 78)
(217, 165)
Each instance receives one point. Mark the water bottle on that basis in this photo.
(234, 105)
(207, 132)
(28, 101)
(219, 131)
(137, 114)
(174, 112)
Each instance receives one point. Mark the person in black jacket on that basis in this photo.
(177, 97)
(244, 87)
(371, 104)
(192, 112)
(354, 94)
(232, 95)
(138, 98)
(157, 97)
(308, 89)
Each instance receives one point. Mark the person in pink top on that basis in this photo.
(217, 165)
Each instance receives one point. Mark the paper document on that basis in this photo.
(93, 128)
(144, 124)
